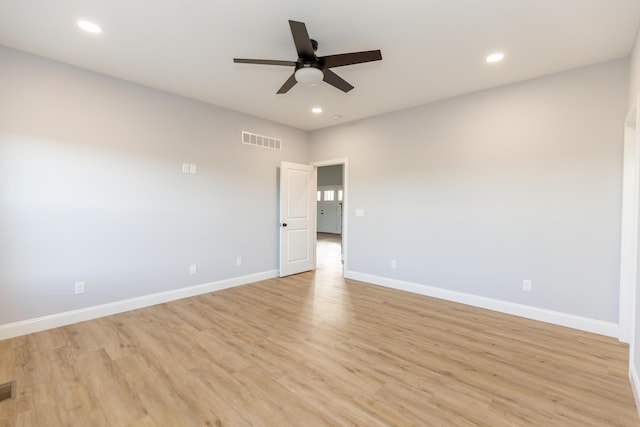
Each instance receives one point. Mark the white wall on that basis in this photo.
(476, 193)
(91, 189)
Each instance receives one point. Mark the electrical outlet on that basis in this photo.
(79, 287)
(526, 285)
(193, 269)
(394, 264)
(238, 262)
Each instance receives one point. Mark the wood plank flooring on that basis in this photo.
(315, 350)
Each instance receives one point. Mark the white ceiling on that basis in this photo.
(432, 49)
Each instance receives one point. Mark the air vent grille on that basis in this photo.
(261, 141)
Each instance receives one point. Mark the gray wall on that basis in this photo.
(472, 194)
(91, 189)
(476, 193)
(330, 175)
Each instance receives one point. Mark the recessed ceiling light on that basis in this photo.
(495, 57)
(316, 110)
(89, 27)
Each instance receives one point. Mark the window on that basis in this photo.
(329, 195)
(319, 195)
(339, 195)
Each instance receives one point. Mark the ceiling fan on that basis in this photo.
(311, 69)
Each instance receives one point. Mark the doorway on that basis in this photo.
(331, 215)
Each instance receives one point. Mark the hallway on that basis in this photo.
(329, 254)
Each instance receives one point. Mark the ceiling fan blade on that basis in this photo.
(343, 59)
(335, 80)
(263, 62)
(291, 82)
(301, 40)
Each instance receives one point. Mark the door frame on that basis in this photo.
(344, 161)
(629, 230)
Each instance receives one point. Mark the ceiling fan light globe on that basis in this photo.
(309, 76)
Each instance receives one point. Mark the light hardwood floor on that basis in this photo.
(315, 350)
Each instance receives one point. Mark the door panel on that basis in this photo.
(297, 242)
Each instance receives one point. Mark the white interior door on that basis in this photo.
(297, 218)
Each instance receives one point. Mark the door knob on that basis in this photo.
(284, 224)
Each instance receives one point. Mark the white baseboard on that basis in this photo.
(24, 327)
(29, 326)
(635, 385)
(576, 322)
